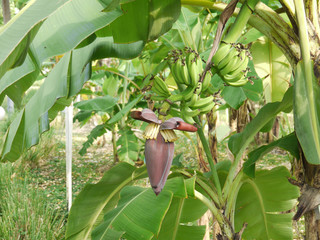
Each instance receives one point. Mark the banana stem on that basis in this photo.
(232, 197)
(209, 157)
(207, 188)
(241, 21)
(218, 215)
(307, 63)
(312, 14)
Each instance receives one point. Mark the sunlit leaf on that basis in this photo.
(271, 66)
(18, 33)
(94, 198)
(267, 196)
(266, 113)
(307, 115)
(138, 214)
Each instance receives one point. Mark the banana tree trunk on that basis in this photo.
(308, 177)
(238, 119)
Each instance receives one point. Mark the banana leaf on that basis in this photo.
(271, 66)
(62, 83)
(17, 34)
(307, 115)
(95, 199)
(261, 202)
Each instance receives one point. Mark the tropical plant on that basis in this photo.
(85, 31)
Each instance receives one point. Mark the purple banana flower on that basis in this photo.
(159, 147)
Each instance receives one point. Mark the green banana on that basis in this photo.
(193, 100)
(221, 53)
(176, 71)
(194, 67)
(176, 97)
(239, 83)
(206, 81)
(185, 74)
(158, 98)
(242, 66)
(187, 93)
(207, 108)
(231, 65)
(188, 119)
(228, 59)
(160, 87)
(233, 77)
(186, 111)
(202, 102)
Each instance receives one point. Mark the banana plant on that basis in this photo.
(107, 28)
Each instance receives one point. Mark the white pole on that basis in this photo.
(69, 120)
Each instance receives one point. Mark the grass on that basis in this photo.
(25, 212)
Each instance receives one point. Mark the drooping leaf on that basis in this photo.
(154, 19)
(307, 114)
(17, 34)
(265, 114)
(288, 143)
(95, 132)
(267, 196)
(271, 66)
(69, 25)
(129, 146)
(103, 104)
(63, 82)
(16, 81)
(138, 214)
(90, 203)
(63, 31)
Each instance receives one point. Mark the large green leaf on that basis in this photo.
(94, 198)
(260, 203)
(307, 114)
(69, 25)
(272, 66)
(62, 83)
(16, 81)
(18, 33)
(172, 229)
(154, 19)
(129, 146)
(183, 210)
(103, 104)
(138, 214)
(266, 113)
(288, 143)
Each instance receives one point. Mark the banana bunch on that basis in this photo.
(160, 88)
(231, 63)
(186, 68)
